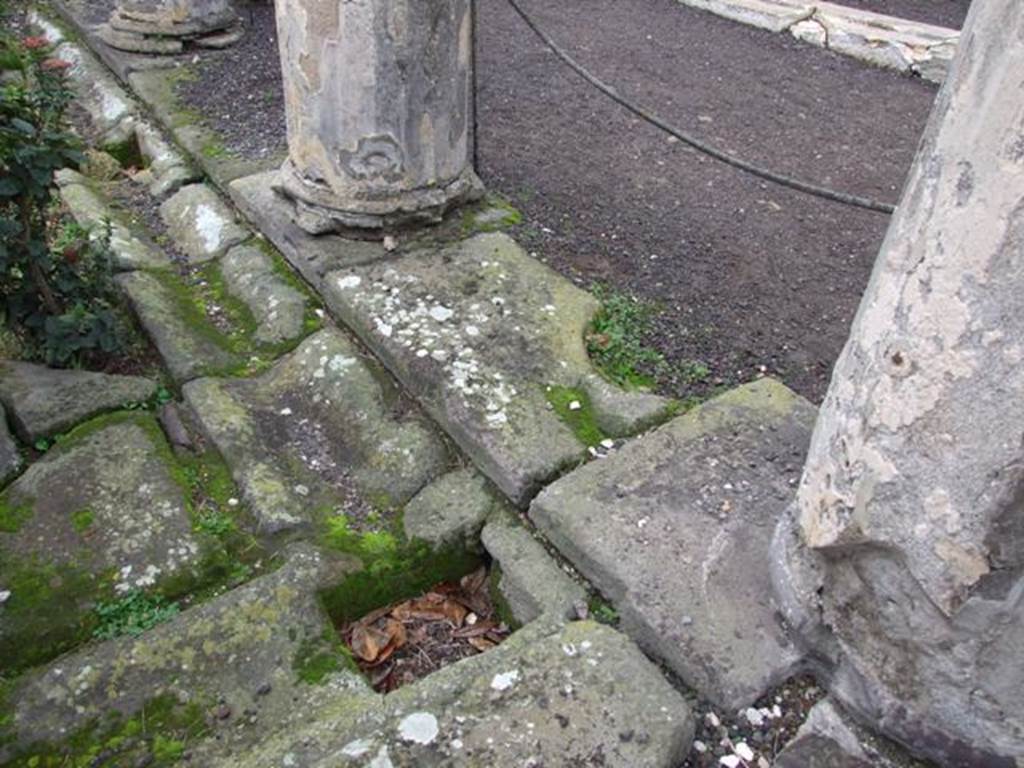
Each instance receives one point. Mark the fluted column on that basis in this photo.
(377, 95)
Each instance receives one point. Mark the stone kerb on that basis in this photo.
(884, 41)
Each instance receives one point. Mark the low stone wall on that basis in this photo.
(885, 41)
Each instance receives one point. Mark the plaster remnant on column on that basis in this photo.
(377, 101)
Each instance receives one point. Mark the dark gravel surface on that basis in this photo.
(239, 88)
(945, 13)
(751, 277)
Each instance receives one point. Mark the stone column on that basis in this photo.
(377, 95)
(911, 507)
(165, 26)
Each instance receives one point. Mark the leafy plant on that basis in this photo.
(616, 343)
(132, 614)
(54, 279)
(616, 339)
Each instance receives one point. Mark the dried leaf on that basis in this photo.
(367, 642)
(481, 644)
(474, 581)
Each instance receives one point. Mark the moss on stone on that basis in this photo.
(82, 520)
(47, 612)
(581, 419)
(126, 152)
(52, 605)
(13, 516)
(393, 568)
(318, 658)
(501, 605)
(157, 735)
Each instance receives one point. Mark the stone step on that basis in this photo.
(85, 200)
(243, 660)
(316, 432)
(479, 331)
(201, 224)
(42, 402)
(101, 514)
(551, 695)
(188, 343)
(675, 527)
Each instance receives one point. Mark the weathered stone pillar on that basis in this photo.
(164, 26)
(911, 507)
(377, 94)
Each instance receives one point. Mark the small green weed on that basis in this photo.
(615, 341)
(603, 612)
(82, 520)
(616, 344)
(214, 522)
(132, 615)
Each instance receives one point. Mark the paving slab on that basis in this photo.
(244, 653)
(201, 224)
(674, 528)
(478, 331)
(581, 694)
(189, 345)
(279, 308)
(97, 516)
(317, 431)
(42, 401)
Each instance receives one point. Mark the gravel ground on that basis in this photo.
(751, 277)
(250, 115)
(945, 13)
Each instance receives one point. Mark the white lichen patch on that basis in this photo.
(210, 226)
(505, 680)
(419, 728)
(456, 338)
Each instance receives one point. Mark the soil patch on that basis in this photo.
(406, 641)
(944, 13)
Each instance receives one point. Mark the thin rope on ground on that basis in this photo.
(701, 146)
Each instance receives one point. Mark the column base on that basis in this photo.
(319, 211)
(153, 31)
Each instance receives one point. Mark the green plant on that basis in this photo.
(616, 344)
(603, 612)
(132, 614)
(54, 277)
(214, 522)
(616, 339)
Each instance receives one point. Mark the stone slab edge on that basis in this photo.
(885, 41)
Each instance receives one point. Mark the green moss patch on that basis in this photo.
(13, 516)
(82, 520)
(393, 569)
(318, 658)
(47, 612)
(158, 735)
(573, 407)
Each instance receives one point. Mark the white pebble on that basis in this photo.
(700, 746)
(744, 751)
(729, 761)
(575, 405)
(5, 595)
